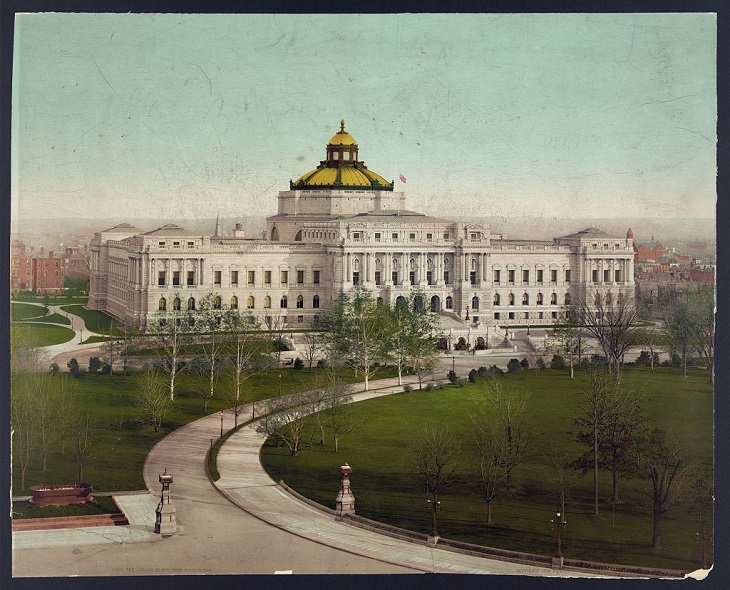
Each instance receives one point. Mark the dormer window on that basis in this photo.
(161, 244)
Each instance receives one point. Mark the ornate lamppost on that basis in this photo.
(165, 515)
(345, 501)
(221, 424)
(558, 524)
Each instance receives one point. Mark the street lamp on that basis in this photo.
(558, 524)
(221, 424)
(81, 338)
(453, 364)
(279, 385)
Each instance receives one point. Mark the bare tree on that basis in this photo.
(564, 478)
(242, 351)
(111, 349)
(311, 346)
(170, 330)
(284, 422)
(23, 430)
(151, 400)
(435, 454)
(613, 324)
(82, 431)
(669, 476)
(489, 454)
(274, 325)
(568, 338)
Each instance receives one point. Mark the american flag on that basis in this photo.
(402, 178)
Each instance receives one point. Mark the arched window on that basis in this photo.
(315, 301)
(525, 299)
(234, 302)
(216, 302)
(176, 304)
(495, 299)
(619, 299)
(267, 302)
(596, 298)
(298, 237)
(283, 303)
(538, 300)
(300, 302)
(475, 302)
(511, 299)
(274, 234)
(449, 302)
(567, 299)
(191, 304)
(162, 305)
(250, 302)
(400, 302)
(554, 299)
(609, 298)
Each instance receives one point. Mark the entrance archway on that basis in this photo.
(435, 304)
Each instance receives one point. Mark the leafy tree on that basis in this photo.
(356, 329)
(701, 301)
(151, 400)
(435, 454)
(514, 366)
(94, 364)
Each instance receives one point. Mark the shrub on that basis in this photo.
(73, 367)
(482, 371)
(460, 382)
(55, 369)
(645, 358)
(429, 387)
(451, 376)
(106, 368)
(558, 362)
(472, 376)
(407, 388)
(540, 363)
(322, 364)
(298, 363)
(94, 364)
(514, 366)
(524, 363)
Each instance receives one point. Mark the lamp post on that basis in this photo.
(453, 364)
(221, 424)
(558, 524)
(81, 339)
(280, 385)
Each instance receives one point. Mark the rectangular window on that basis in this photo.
(539, 277)
(595, 277)
(251, 277)
(377, 278)
(447, 235)
(412, 277)
(300, 319)
(217, 278)
(284, 277)
(412, 237)
(511, 315)
(267, 277)
(511, 277)
(567, 276)
(161, 244)
(473, 277)
(395, 237)
(495, 277)
(160, 277)
(429, 237)
(300, 303)
(446, 277)
(527, 315)
(394, 277)
(429, 277)
(176, 278)
(191, 244)
(234, 278)
(355, 278)
(283, 302)
(555, 315)
(606, 276)
(473, 237)
(191, 278)
(496, 316)
(617, 276)
(553, 276)
(300, 277)
(315, 277)
(525, 277)
(377, 236)
(356, 235)
(176, 244)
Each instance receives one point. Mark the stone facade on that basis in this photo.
(326, 239)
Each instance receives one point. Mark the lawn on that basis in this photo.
(43, 335)
(96, 321)
(50, 299)
(386, 488)
(99, 505)
(24, 311)
(120, 442)
(54, 318)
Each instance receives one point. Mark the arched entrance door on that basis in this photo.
(435, 304)
(418, 303)
(400, 302)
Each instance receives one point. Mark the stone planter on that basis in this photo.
(59, 494)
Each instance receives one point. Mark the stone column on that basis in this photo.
(165, 514)
(345, 501)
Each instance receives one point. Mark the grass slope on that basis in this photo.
(96, 321)
(386, 488)
(24, 311)
(43, 335)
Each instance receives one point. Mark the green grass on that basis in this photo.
(120, 443)
(43, 335)
(99, 505)
(54, 318)
(96, 321)
(24, 311)
(97, 339)
(386, 488)
(51, 299)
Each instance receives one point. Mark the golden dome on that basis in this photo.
(342, 137)
(341, 168)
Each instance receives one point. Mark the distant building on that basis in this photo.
(644, 252)
(342, 226)
(44, 275)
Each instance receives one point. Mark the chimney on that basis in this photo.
(238, 231)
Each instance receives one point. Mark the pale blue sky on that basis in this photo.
(494, 115)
